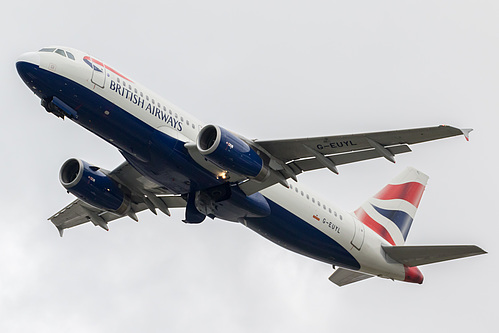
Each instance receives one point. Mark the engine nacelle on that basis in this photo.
(89, 184)
(230, 152)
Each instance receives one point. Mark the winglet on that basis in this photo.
(466, 133)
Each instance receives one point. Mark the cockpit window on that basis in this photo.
(58, 51)
(61, 52)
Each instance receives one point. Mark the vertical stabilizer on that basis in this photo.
(391, 211)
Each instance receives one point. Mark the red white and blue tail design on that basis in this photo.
(391, 211)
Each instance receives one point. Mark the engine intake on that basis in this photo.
(91, 185)
(230, 152)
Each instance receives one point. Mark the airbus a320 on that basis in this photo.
(173, 160)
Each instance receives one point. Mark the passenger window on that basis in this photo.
(308, 197)
(164, 108)
(291, 186)
(170, 111)
(330, 211)
(61, 52)
(302, 193)
(324, 207)
(193, 126)
(153, 101)
(118, 79)
(318, 203)
(296, 189)
(187, 122)
(341, 217)
(147, 97)
(141, 94)
(70, 55)
(335, 214)
(176, 115)
(135, 90)
(313, 200)
(181, 118)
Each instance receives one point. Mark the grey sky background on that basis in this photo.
(265, 69)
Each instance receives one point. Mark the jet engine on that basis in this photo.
(230, 152)
(93, 186)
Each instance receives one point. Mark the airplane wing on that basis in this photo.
(293, 156)
(145, 194)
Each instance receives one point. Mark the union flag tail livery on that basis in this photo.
(391, 211)
(174, 160)
(388, 216)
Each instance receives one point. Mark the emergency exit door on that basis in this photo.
(359, 234)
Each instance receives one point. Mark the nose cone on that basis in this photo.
(413, 274)
(30, 58)
(27, 66)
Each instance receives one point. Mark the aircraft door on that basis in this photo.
(359, 234)
(98, 73)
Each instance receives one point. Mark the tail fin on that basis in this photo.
(391, 211)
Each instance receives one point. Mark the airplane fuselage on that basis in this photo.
(151, 133)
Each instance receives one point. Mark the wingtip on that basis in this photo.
(480, 250)
(466, 132)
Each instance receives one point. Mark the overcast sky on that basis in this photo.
(265, 69)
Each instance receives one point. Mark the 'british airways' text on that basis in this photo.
(146, 105)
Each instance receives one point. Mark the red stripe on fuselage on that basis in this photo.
(375, 226)
(410, 192)
(100, 63)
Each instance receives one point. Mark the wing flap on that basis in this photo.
(422, 255)
(346, 158)
(341, 277)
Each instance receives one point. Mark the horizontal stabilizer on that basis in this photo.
(342, 277)
(422, 255)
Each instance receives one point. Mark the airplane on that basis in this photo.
(173, 160)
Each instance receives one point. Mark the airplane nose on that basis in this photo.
(29, 57)
(28, 65)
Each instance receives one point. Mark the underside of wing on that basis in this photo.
(78, 212)
(291, 157)
(141, 194)
(294, 149)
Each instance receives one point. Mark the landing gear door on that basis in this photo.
(358, 236)
(98, 73)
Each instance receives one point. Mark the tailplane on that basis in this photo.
(421, 255)
(391, 211)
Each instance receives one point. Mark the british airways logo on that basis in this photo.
(99, 66)
(147, 106)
